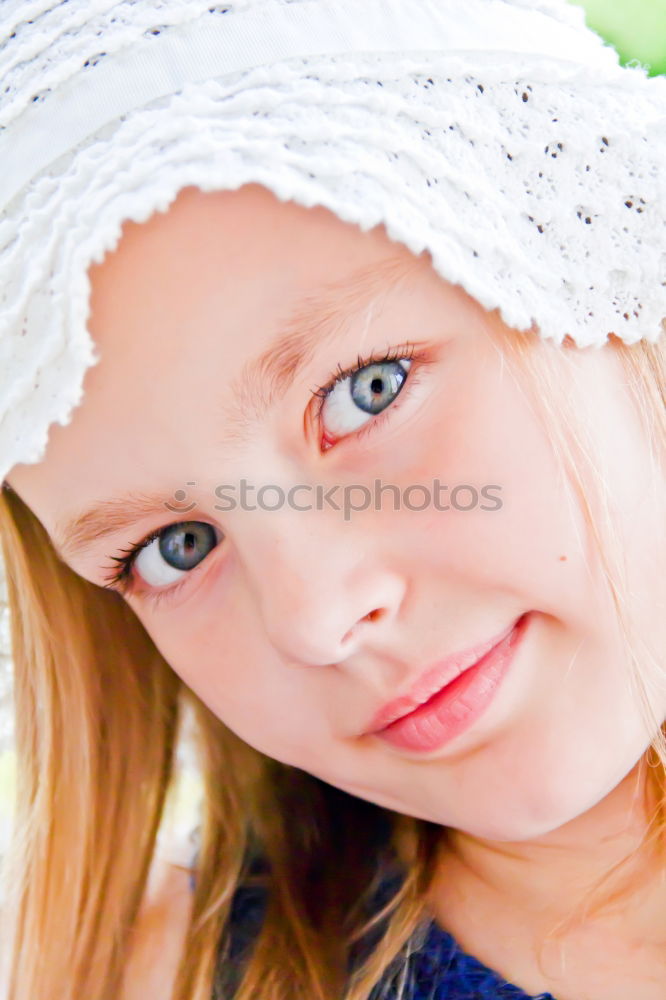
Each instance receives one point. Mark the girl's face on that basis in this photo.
(296, 618)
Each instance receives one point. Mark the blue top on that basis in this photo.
(441, 970)
(438, 970)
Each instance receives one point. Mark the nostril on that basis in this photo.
(372, 616)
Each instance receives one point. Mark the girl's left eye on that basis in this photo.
(166, 556)
(357, 395)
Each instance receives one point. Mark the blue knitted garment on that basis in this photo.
(438, 970)
(441, 970)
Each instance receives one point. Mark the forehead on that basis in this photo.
(223, 261)
(249, 233)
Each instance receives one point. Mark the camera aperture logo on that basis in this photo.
(179, 503)
(347, 498)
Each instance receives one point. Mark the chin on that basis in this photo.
(511, 824)
(513, 830)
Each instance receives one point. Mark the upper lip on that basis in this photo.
(433, 679)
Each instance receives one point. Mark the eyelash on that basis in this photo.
(119, 578)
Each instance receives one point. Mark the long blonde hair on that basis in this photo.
(97, 715)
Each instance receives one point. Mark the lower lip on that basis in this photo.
(458, 705)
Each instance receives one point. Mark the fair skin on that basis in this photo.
(157, 938)
(295, 627)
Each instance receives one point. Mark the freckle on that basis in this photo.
(563, 558)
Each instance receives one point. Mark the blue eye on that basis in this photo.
(167, 555)
(356, 397)
(362, 395)
(174, 551)
(374, 387)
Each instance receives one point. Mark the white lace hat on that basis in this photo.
(500, 135)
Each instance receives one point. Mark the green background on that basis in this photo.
(637, 29)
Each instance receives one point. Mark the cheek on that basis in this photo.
(512, 524)
(215, 647)
(574, 733)
(203, 639)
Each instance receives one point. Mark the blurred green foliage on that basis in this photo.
(636, 28)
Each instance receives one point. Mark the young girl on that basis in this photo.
(334, 403)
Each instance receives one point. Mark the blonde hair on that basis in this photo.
(96, 724)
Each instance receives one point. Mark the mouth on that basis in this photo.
(449, 696)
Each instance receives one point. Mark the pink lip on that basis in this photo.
(456, 706)
(434, 680)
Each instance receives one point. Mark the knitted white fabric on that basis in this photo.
(500, 135)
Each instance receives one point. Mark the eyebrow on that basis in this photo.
(106, 517)
(318, 319)
(263, 381)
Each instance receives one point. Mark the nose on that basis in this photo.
(322, 589)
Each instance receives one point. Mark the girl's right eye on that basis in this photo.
(166, 556)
